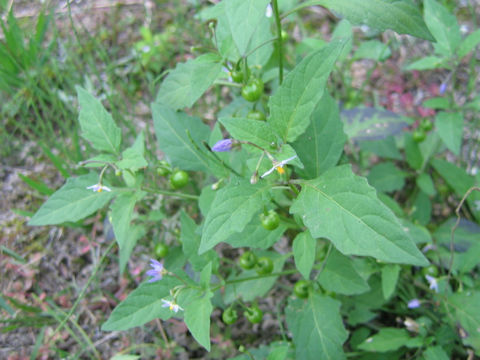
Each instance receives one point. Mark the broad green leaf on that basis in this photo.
(402, 17)
(366, 123)
(188, 81)
(428, 63)
(458, 179)
(259, 46)
(304, 247)
(232, 209)
(389, 279)
(243, 19)
(435, 353)
(294, 101)
(467, 311)
(386, 148)
(133, 157)
(412, 152)
(249, 290)
(197, 319)
(386, 177)
(391, 204)
(191, 242)
(321, 145)
(468, 44)
(254, 131)
(374, 50)
(422, 208)
(342, 207)
(425, 183)
(97, 124)
(438, 103)
(418, 233)
(343, 30)
(316, 327)
(121, 216)
(443, 26)
(340, 276)
(72, 202)
(450, 129)
(142, 305)
(256, 236)
(172, 131)
(387, 339)
(134, 233)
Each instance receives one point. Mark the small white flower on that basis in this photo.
(278, 165)
(269, 11)
(172, 305)
(99, 188)
(432, 282)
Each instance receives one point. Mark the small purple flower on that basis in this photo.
(223, 145)
(443, 88)
(157, 271)
(413, 304)
(432, 282)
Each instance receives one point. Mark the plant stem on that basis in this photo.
(279, 40)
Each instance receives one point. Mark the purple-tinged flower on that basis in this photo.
(157, 271)
(99, 188)
(172, 305)
(223, 145)
(413, 304)
(432, 282)
(443, 88)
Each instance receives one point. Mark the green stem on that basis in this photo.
(171, 193)
(279, 40)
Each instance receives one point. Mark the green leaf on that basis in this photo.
(121, 216)
(386, 177)
(303, 87)
(467, 311)
(188, 81)
(172, 131)
(232, 209)
(256, 236)
(304, 253)
(428, 63)
(321, 145)
(422, 208)
(142, 305)
(254, 131)
(133, 157)
(243, 19)
(342, 207)
(412, 152)
(191, 242)
(402, 17)
(316, 327)
(367, 123)
(134, 233)
(387, 339)
(340, 276)
(197, 319)
(97, 124)
(443, 26)
(374, 50)
(468, 44)
(389, 279)
(425, 183)
(386, 148)
(458, 179)
(435, 353)
(72, 202)
(450, 129)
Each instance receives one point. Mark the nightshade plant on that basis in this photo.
(351, 249)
